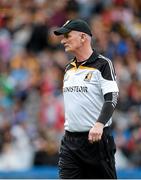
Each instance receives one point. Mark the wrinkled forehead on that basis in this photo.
(73, 33)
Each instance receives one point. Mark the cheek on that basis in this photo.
(75, 43)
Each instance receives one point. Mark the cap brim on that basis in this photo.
(61, 31)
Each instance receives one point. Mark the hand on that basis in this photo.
(96, 132)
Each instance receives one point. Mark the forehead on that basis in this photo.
(73, 33)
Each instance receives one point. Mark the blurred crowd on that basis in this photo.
(32, 65)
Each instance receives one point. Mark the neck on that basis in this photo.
(83, 54)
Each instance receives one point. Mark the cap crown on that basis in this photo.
(78, 25)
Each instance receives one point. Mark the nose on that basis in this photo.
(63, 41)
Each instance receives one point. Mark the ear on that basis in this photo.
(83, 40)
(83, 37)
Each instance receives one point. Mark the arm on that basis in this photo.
(106, 113)
(108, 107)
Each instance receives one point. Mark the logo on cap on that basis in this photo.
(66, 23)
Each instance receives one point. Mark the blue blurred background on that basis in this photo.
(32, 63)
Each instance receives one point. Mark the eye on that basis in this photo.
(66, 35)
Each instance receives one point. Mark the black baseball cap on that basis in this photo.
(76, 25)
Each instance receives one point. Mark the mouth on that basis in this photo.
(65, 45)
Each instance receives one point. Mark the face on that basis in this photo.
(72, 41)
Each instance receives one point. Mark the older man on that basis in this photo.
(90, 96)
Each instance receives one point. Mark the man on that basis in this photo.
(90, 96)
